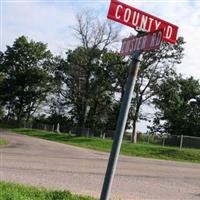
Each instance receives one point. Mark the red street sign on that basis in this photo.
(145, 42)
(133, 17)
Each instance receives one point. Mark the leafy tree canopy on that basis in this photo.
(25, 67)
(178, 101)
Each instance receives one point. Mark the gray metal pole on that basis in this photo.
(121, 123)
(181, 142)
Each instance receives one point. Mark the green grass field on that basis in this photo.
(3, 142)
(141, 150)
(12, 191)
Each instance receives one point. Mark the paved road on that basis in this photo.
(49, 164)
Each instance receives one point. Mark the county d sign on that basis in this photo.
(133, 17)
(149, 41)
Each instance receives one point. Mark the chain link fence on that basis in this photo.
(180, 141)
(59, 128)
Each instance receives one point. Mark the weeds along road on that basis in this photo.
(48, 164)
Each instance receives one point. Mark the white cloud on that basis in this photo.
(38, 21)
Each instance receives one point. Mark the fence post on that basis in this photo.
(87, 132)
(148, 138)
(181, 142)
(153, 136)
(58, 128)
(163, 142)
(53, 128)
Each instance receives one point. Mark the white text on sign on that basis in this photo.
(134, 18)
(149, 41)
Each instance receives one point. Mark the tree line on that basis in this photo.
(85, 87)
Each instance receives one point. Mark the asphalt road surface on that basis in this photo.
(49, 164)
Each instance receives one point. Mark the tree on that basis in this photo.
(1, 108)
(92, 33)
(83, 74)
(178, 101)
(26, 68)
(156, 65)
(91, 99)
(110, 80)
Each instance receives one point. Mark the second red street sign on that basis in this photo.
(133, 17)
(149, 41)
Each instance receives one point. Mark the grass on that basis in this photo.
(141, 150)
(3, 142)
(12, 191)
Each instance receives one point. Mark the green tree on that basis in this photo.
(85, 80)
(156, 65)
(1, 108)
(26, 67)
(92, 87)
(178, 101)
(109, 82)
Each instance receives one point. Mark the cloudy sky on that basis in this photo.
(51, 22)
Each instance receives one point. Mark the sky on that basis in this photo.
(52, 21)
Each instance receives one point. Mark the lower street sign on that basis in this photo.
(149, 41)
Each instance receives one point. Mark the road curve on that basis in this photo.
(53, 165)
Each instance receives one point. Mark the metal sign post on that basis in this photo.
(121, 123)
(137, 44)
(134, 18)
